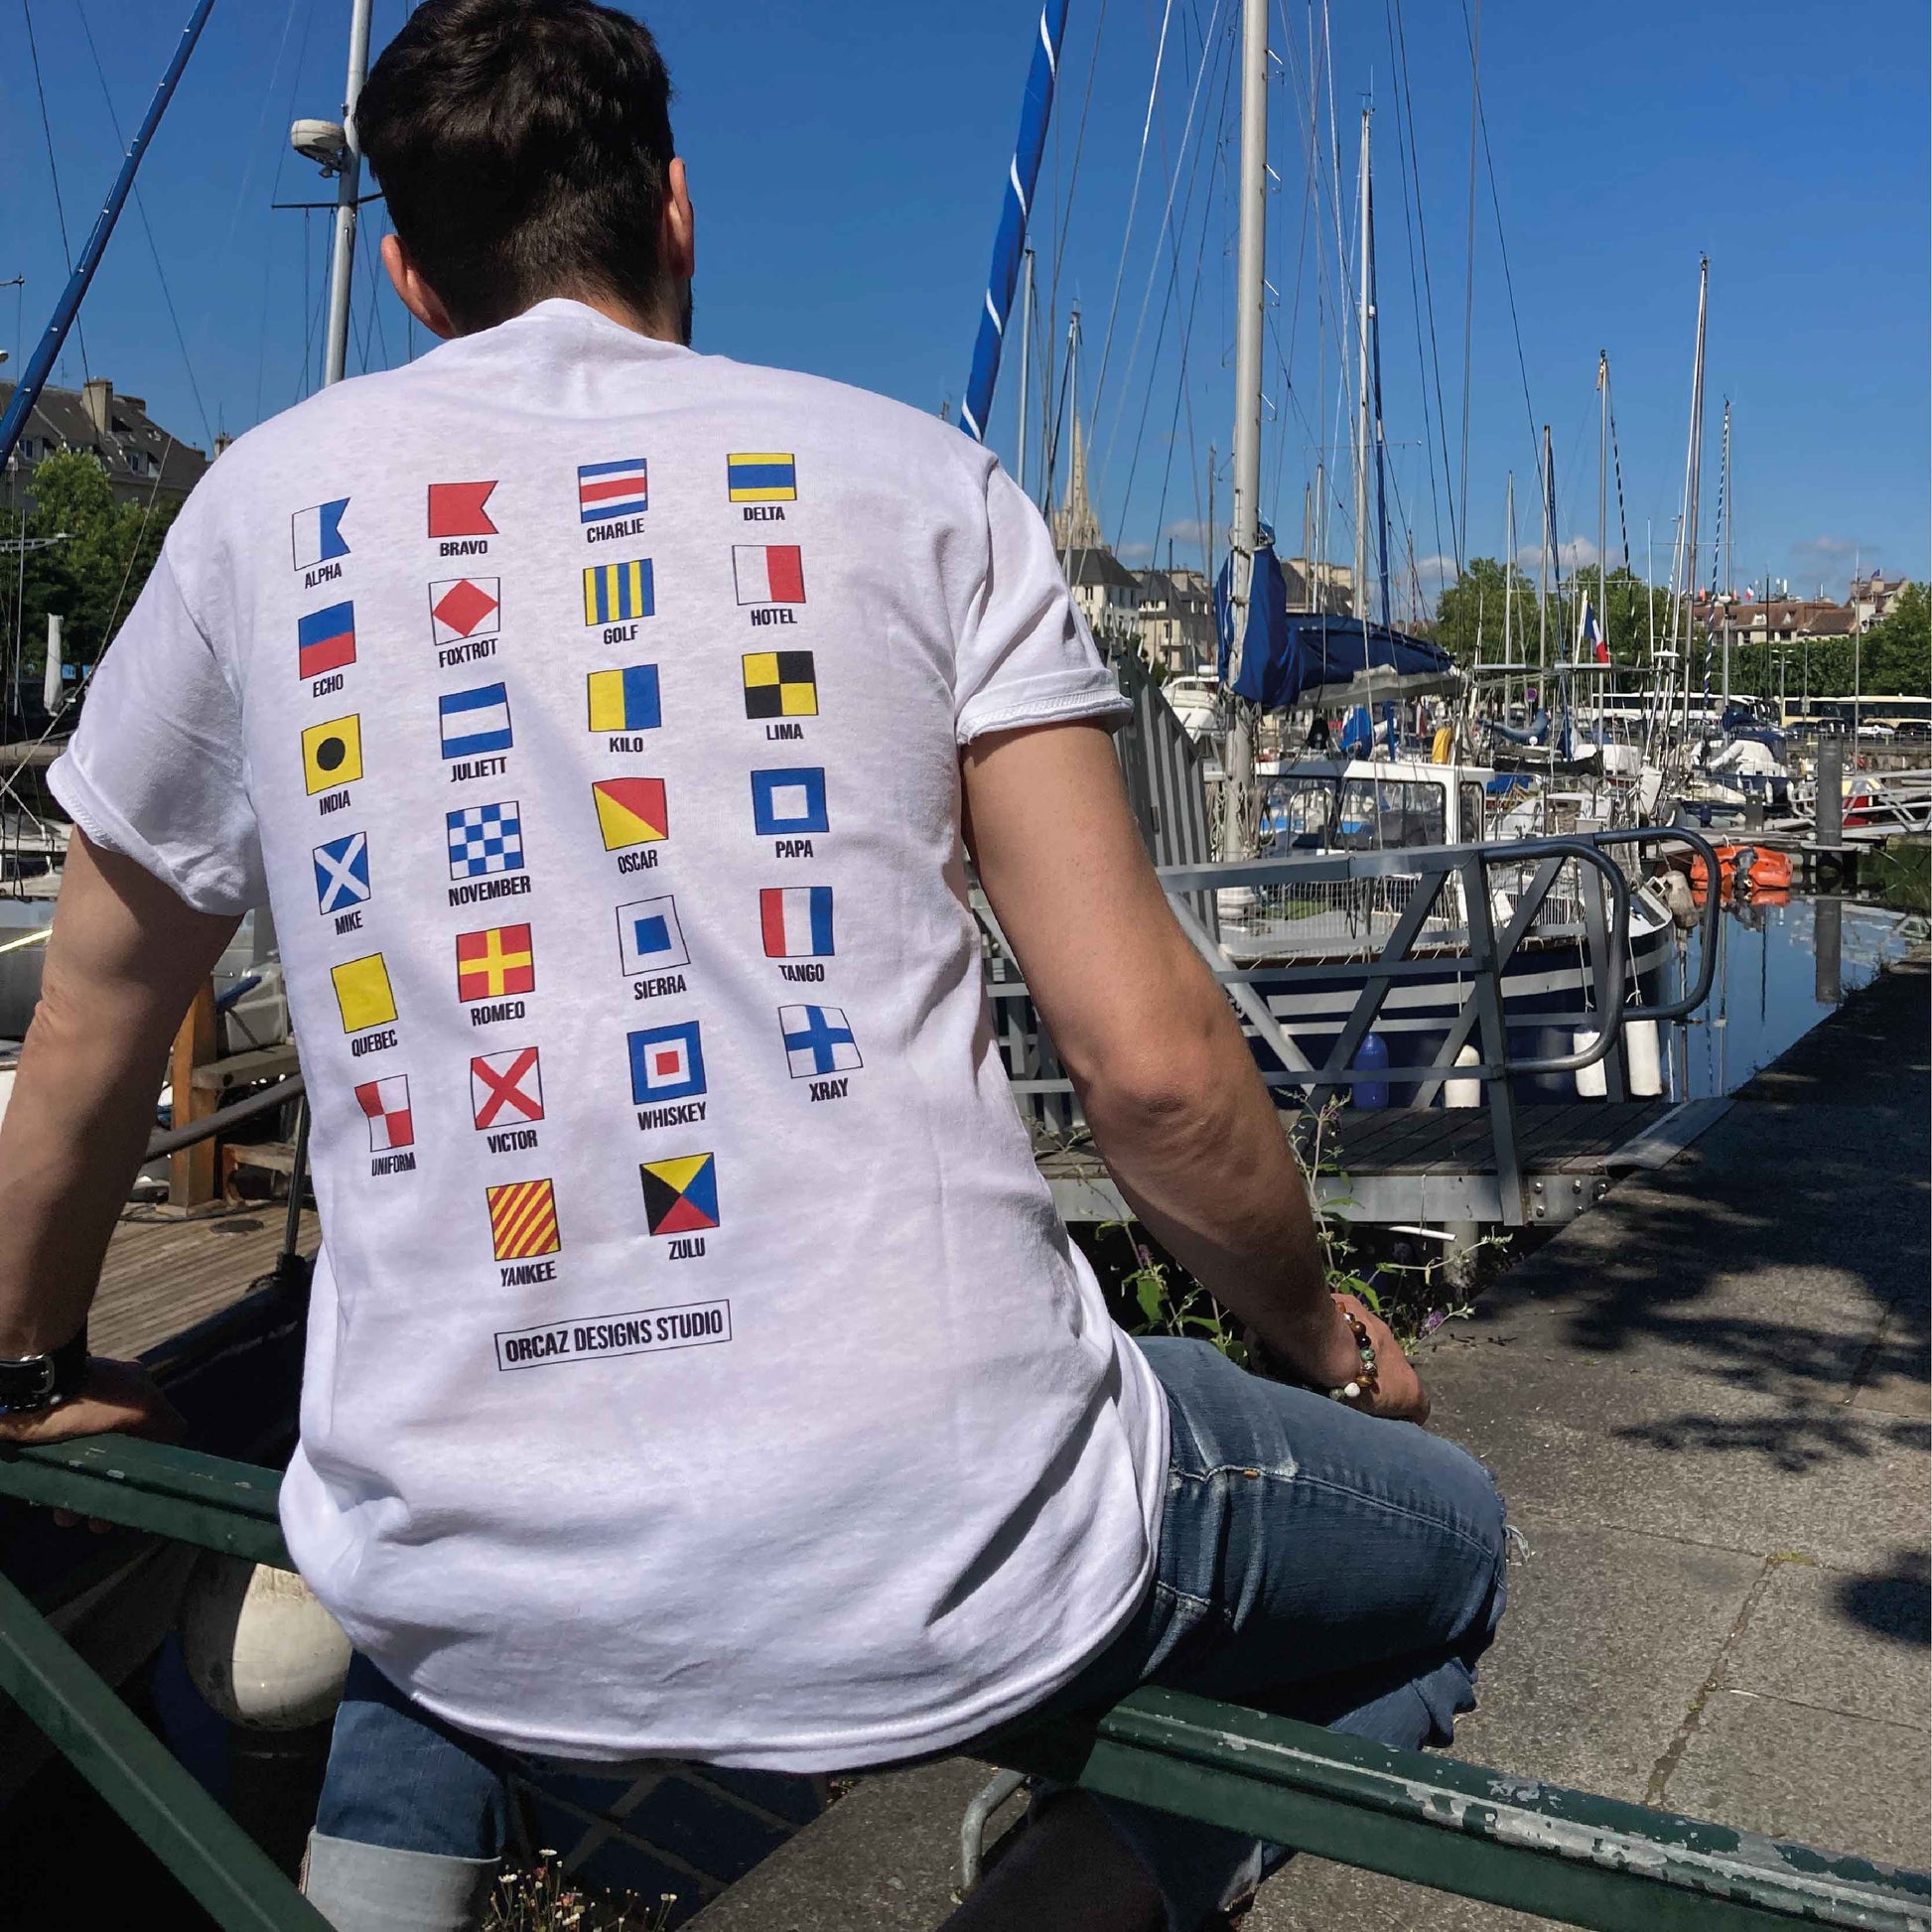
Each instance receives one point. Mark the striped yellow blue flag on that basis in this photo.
(762, 476)
(615, 592)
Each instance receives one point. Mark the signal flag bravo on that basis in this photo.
(456, 510)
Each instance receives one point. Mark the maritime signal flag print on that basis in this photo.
(485, 839)
(324, 641)
(331, 754)
(785, 803)
(315, 535)
(475, 722)
(506, 1089)
(523, 1220)
(817, 1041)
(762, 476)
(362, 993)
(768, 573)
(680, 1196)
(624, 700)
(462, 608)
(342, 873)
(666, 1062)
(796, 921)
(650, 939)
(386, 1104)
(607, 489)
(780, 684)
(494, 963)
(617, 593)
(457, 509)
(630, 811)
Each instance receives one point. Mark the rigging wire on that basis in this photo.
(1469, 266)
(60, 208)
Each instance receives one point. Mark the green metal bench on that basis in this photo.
(1514, 1841)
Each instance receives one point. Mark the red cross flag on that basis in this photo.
(506, 1089)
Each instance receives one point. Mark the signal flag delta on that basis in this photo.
(607, 489)
(331, 754)
(624, 700)
(666, 1062)
(362, 993)
(456, 510)
(630, 811)
(768, 573)
(762, 476)
(681, 1196)
(315, 535)
(506, 1088)
(796, 921)
(387, 1103)
(523, 1220)
(324, 641)
(494, 963)
(617, 593)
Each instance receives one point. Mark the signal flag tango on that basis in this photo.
(796, 921)
(768, 573)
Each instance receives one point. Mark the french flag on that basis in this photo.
(768, 573)
(797, 921)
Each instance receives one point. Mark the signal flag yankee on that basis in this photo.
(362, 993)
(629, 811)
(617, 593)
(680, 1196)
(796, 921)
(523, 1220)
(768, 573)
(762, 476)
(387, 1103)
(624, 700)
(324, 641)
(666, 1062)
(315, 535)
(506, 1088)
(607, 489)
(457, 509)
(331, 754)
(494, 963)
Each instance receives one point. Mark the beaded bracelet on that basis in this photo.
(1365, 1382)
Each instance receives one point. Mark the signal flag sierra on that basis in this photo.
(456, 510)
(796, 921)
(624, 700)
(324, 641)
(762, 476)
(629, 811)
(315, 535)
(387, 1103)
(768, 573)
(607, 489)
(650, 939)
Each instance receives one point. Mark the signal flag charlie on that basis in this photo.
(768, 573)
(796, 921)
(607, 489)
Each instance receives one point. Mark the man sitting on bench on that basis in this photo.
(696, 1367)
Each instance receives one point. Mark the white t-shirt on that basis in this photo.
(697, 1365)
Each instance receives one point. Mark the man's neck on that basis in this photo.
(658, 325)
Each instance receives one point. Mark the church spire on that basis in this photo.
(1075, 526)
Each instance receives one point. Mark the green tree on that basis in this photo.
(1897, 649)
(1470, 612)
(93, 575)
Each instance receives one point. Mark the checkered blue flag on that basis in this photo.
(485, 839)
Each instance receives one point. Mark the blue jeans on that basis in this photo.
(1312, 1562)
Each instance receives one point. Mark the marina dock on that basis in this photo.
(1708, 1405)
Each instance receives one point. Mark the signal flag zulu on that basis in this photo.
(506, 1089)
(456, 510)
(475, 720)
(762, 476)
(681, 1196)
(331, 754)
(650, 939)
(523, 1220)
(629, 811)
(387, 1103)
(342, 873)
(324, 641)
(465, 606)
(796, 921)
(315, 535)
(624, 700)
(666, 1062)
(362, 993)
(768, 573)
(817, 1041)
(615, 593)
(493, 963)
(780, 684)
(607, 489)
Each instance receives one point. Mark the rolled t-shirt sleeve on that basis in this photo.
(1026, 656)
(156, 771)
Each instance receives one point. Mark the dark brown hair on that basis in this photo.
(521, 147)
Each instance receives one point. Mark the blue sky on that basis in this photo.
(847, 163)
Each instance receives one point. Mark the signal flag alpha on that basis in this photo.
(315, 535)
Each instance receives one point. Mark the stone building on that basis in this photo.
(142, 460)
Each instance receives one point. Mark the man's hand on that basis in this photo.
(1399, 1394)
(115, 1398)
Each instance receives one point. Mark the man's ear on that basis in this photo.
(677, 245)
(415, 294)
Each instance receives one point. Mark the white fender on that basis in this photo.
(259, 1648)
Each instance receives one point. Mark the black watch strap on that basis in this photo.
(30, 1382)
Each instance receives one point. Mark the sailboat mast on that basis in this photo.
(1603, 499)
(349, 190)
(1509, 576)
(1729, 517)
(1685, 566)
(1361, 386)
(1026, 343)
(1543, 577)
(1244, 534)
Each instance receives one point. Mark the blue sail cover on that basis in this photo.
(1288, 659)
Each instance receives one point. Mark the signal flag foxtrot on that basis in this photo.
(315, 535)
(796, 921)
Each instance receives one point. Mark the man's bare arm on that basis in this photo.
(1168, 1085)
(125, 957)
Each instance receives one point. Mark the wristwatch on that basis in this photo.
(29, 1383)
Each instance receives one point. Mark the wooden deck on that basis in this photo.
(162, 1276)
